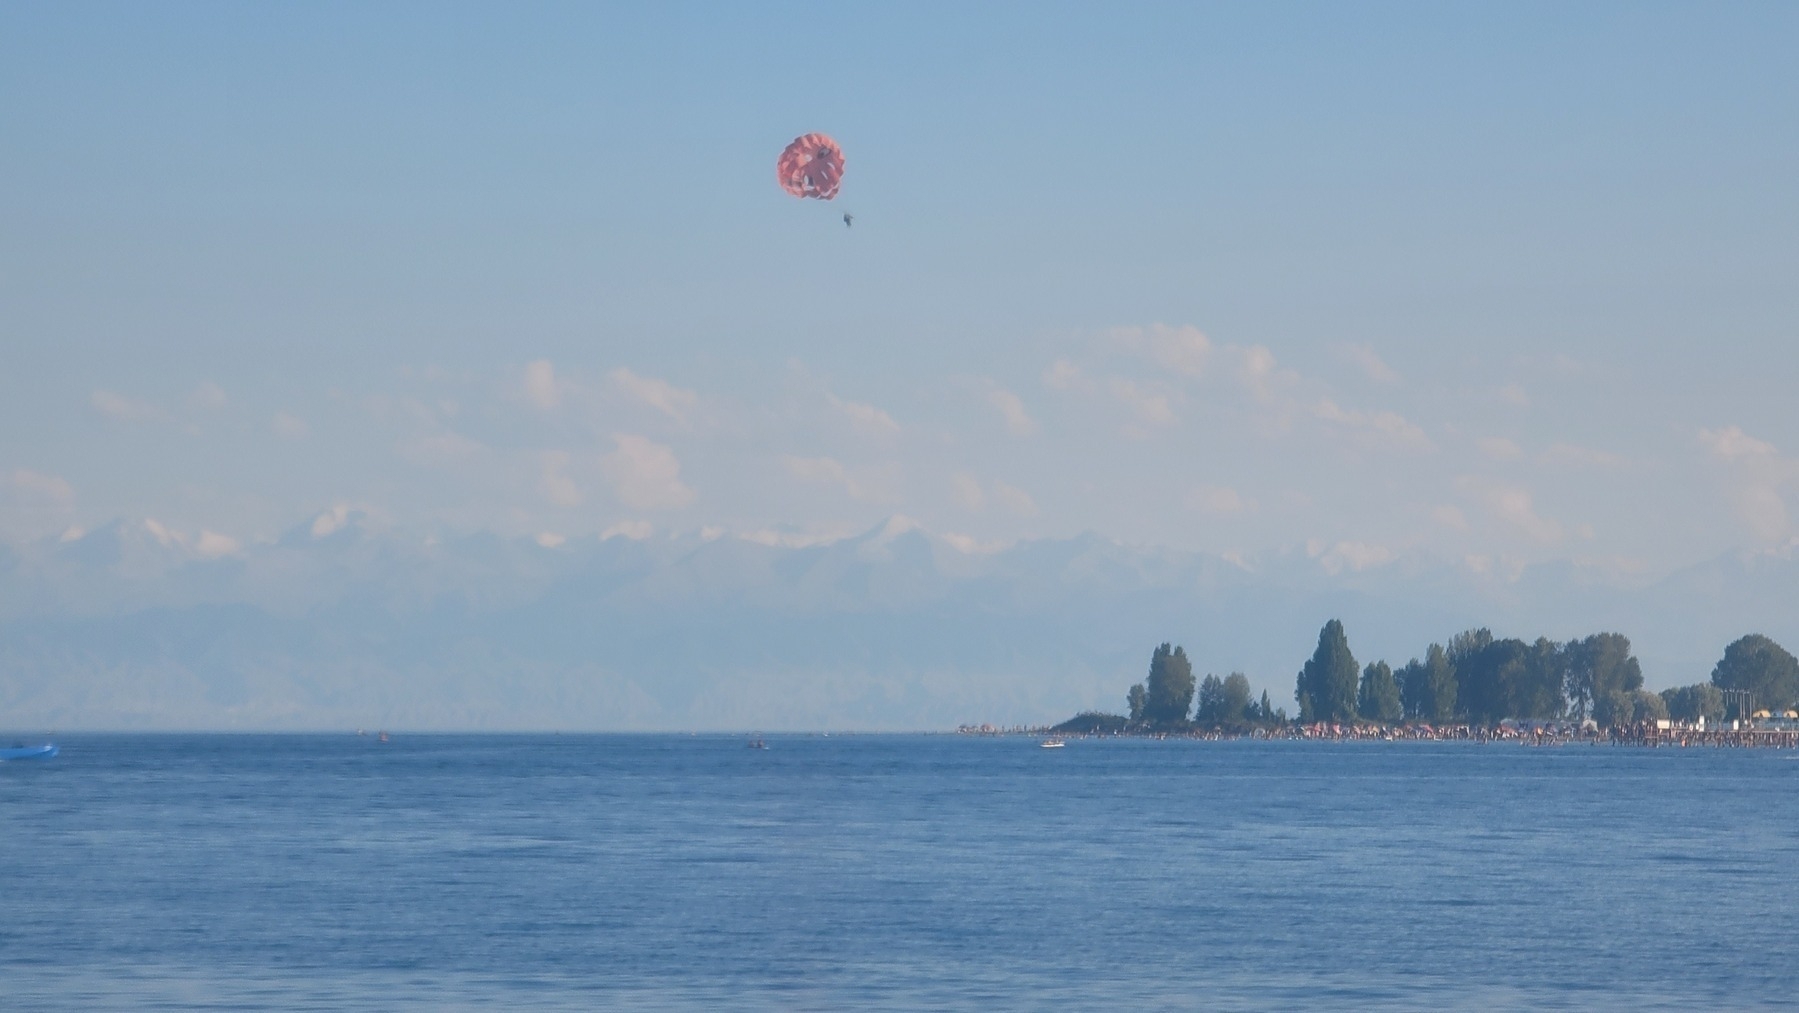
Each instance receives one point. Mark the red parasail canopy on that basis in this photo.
(812, 166)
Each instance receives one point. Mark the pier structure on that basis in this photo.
(1652, 734)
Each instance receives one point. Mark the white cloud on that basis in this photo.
(207, 544)
(208, 396)
(1013, 499)
(54, 488)
(1184, 350)
(163, 535)
(288, 427)
(212, 545)
(1354, 556)
(672, 401)
(1018, 421)
(1515, 395)
(1573, 456)
(1761, 477)
(442, 448)
(1148, 405)
(1371, 364)
(635, 531)
(330, 521)
(1563, 365)
(118, 406)
(1515, 507)
(418, 411)
(815, 469)
(1763, 509)
(1383, 426)
(553, 481)
(967, 491)
(871, 486)
(1501, 449)
(1189, 368)
(1218, 499)
(1258, 373)
(968, 545)
(541, 388)
(550, 540)
(33, 504)
(1187, 352)
(1732, 444)
(866, 418)
(1450, 517)
(1063, 375)
(646, 475)
(879, 544)
(787, 539)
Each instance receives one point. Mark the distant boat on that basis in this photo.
(757, 743)
(1051, 743)
(43, 752)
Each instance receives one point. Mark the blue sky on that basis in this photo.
(1487, 283)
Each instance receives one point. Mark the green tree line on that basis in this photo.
(1475, 678)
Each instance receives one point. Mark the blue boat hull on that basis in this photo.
(43, 752)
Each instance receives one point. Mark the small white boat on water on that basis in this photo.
(1051, 743)
(20, 751)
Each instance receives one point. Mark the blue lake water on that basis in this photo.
(904, 872)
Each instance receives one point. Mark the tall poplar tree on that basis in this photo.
(1327, 684)
(1211, 701)
(1476, 661)
(1379, 696)
(1414, 690)
(1540, 692)
(1234, 700)
(1445, 685)
(1169, 686)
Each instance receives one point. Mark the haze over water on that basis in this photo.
(901, 872)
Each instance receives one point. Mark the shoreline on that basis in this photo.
(1640, 734)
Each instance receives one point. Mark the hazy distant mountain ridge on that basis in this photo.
(127, 626)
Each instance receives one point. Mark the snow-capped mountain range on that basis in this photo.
(340, 623)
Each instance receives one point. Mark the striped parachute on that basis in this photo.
(812, 166)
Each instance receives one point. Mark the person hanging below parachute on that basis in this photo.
(847, 219)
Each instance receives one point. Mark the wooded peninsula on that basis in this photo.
(1476, 680)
